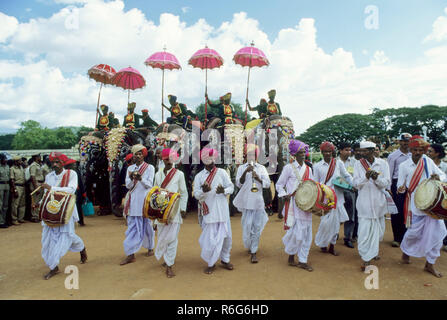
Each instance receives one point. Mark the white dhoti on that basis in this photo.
(298, 239)
(57, 241)
(330, 226)
(167, 242)
(139, 233)
(253, 223)
(424, 238)
(370, 234)
(216, 241)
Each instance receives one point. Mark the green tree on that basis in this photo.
(240, 113)
(6, 141)
(31, 135)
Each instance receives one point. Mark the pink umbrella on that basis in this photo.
(128, 79)
(102, 73)
(163, 60)
(206, 59)
(250, 57)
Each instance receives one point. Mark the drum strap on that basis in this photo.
(287, 202)
(65, 179)
(141, 171)
(413, 184)
(330, 171)
(203, 208)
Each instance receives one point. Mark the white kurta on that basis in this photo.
(251, 204)
(330, 223)
(425, 235)
(216, 237)
(140, 232)
(57, 241)
(168, 234)
(372, 207)
(298, 237)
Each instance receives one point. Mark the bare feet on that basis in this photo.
(405, 259)
(209, 270)
(227, 265)
(164, 265)
(431, 268)
(149, 253)
(253, 258)
(377, 258)
(51, 273)
(169, 272)
(83, 256)
(291, 261)
(324, 250)
(129, 259)
(364, 265)
(332, 250)
(305, 266)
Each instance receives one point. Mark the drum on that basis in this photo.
(315, 198)
(161, 204)
(57, 208)
(431, 198)
(341, 183)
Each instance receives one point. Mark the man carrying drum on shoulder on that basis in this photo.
(56, 241)
(424, 234)
(297, 223)
(139, 180)
(173, 180)
(371, 178)
(325, 172)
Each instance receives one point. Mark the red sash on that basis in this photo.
(65, 179)
(287, 202)
(331, 170)
(142, 169)
(413, 184)
(209, 180)
(365, 164)
(168, 178)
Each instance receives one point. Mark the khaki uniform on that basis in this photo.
(4, 192)
(36, 171)
(45, 170)
(18, 204)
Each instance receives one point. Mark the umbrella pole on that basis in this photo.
(162, 95)
(246, 103)
(128, 96)
(206, 92)
(97, 106)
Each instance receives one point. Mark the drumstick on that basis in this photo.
(37, 189)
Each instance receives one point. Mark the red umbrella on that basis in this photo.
(163, 60)
(102, 73)
(128, 79)
(250, 57)
(206, 59)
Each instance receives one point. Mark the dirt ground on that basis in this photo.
(22, 269)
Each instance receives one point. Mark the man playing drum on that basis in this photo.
(173, 180)
(56, 241)
(424, 234)
(211, 187)
(298, 237)
(251, 178)
(325, 172)
(371, 177)
(139, 180)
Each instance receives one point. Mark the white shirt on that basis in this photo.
(394, 161)
(55, 180)
(443, 167)
(371, 200)
(287, 184)
(142, 188)
(320, 172)
(349, 164)
(245, 199)
(217, 203)
(177, 184)
(406, 170)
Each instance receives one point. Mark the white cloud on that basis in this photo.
(439, 29)
(9, 26)
(186, 9)
(311, 84)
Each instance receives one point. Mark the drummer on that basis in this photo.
(325, 172)
(139, 180)
(297, 223)
(424, 234)
(371, 178)
(173, 180)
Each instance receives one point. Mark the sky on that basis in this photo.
(326, 57)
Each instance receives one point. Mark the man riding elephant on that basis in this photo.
(224, 110)
(148, 122)
(261, 108)
(179, 112)
(131, 119)
(272, 106)
(107, 121)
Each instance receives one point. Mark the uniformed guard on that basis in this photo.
(148, 122)
(4, 190)
(37, 178)
(131, 120)
(261, 108)
(224, 110)
(17, 176)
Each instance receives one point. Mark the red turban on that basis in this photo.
(61, 157)
(169, 154)
(326, 145)
(417, 141)
(128, 157)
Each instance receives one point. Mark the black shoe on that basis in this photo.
(4, 226)
(349, 244)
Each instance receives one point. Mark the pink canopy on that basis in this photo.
(163, 60)
(251, 57)
(128, 78)
(206, 58)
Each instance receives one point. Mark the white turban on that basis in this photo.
(367, 144)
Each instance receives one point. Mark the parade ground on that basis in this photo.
(22, 269)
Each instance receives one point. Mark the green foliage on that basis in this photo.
(240, 112)
(6, 141)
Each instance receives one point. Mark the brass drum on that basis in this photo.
(431, 198)
(315, 198)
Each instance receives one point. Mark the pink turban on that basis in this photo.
(296, 146)
(326, 145)
(169, 154)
